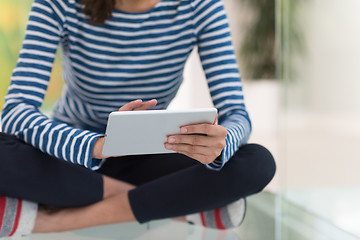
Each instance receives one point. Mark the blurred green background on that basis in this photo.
(13, 18)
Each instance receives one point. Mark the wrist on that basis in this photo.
(97, 150)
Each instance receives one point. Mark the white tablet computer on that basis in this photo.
(145, 132)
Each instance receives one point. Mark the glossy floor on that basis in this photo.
(269, 217)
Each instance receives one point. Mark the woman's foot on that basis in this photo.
(115, 209)
(17, 217)
(227, 217)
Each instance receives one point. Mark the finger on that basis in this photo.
(187, 148)
(147, 105)
(207, 129)
(199, 157)
(198, 140)
(131, 105)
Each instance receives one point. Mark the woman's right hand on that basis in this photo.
(131, 106)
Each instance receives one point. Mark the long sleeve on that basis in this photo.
(222, 74)
(21, 115)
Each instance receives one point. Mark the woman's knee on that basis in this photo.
(263, 163)
(251, 169)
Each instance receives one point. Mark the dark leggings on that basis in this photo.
(169, 185)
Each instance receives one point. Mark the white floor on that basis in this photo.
(269, 216)
(337, 205)
(158, 230)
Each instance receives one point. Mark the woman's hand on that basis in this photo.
(131, 106)
(202, 142)
(138, 105)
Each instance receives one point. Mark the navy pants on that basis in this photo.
(169, 185)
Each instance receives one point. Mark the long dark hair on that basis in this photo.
(98, 10)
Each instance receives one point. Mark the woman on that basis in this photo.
(128, 53)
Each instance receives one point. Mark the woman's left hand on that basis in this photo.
(202, 142)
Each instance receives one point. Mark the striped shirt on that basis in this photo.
(131, 56)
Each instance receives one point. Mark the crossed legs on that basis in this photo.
(141, 188)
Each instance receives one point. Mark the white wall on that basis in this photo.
(330, 71)
(322, 131)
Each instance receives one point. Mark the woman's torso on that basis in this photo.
(130, 56)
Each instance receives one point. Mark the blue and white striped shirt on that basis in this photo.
(131, 56)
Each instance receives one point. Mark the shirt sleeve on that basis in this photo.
(219, 63)
(21, 115)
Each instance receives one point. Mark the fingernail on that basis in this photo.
(183, 130)
(168, 146)
(171, 140)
